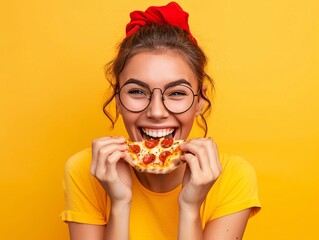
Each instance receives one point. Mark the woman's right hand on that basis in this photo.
(109, 165)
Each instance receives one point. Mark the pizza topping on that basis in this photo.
(152, 143)
(135, 148)
(148, 158)
(164, 155)
(166, 143)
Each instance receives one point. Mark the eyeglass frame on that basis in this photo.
(180, 82)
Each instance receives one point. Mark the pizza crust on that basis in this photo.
(155, 168)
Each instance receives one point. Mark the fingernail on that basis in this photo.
(123, 139)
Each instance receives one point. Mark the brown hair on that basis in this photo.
(159, 38)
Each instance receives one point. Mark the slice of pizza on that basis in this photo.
(158, 156)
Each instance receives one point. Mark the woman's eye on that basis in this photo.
(137, 92)
(177, 94)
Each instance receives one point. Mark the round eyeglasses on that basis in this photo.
(176, 99)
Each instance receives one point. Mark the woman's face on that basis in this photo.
(157, 70)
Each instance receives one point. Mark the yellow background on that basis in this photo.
(263, 57)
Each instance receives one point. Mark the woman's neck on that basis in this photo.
(161, 183)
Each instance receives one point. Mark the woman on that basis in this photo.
(211, 196)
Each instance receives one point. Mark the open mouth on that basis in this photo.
(157, 133)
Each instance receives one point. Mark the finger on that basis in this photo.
(128, 158)
(198, 148)
(106, 170)
(101, 154)
(193, 163)
(217, 160)
(213, 156)
(187, 175)
(100, 142)
(207, 153)
(123, 171)
(97, 144)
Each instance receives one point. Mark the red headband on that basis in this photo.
(171, 14)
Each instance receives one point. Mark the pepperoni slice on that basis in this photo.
(148, 158)
(164, 155)
(135, 148)
(166, 143)
(152, 143)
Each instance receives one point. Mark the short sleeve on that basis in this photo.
(235, 190)
(85, 199)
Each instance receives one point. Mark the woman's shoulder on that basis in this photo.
(77, 171)
(235, 164)
(233, 160)
(79, 162)
(235, 189)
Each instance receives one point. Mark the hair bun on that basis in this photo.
(171, 14)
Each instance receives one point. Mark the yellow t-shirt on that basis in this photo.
(156, 214)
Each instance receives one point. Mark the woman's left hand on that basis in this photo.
(203, 169)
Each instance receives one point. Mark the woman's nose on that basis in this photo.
(156, 109)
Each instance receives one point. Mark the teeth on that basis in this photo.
(157, 133)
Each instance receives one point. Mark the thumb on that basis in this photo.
(187, 175)
(128, 158)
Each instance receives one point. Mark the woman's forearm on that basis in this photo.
(118, 224)
(189, 226)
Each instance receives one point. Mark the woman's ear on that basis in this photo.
(201, 101)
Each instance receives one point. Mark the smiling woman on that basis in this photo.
(159, 86)
(263, 56)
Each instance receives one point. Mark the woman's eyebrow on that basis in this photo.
(173, 83)
(178, 82)
(133, 80)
